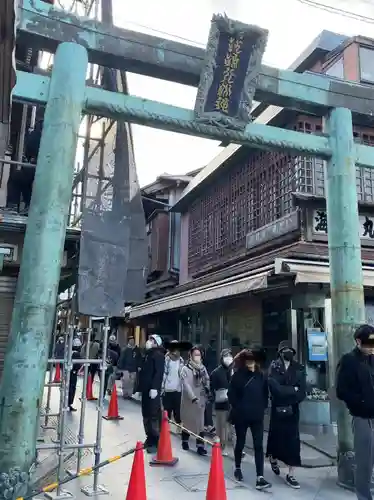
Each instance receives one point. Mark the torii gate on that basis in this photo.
(221, 112)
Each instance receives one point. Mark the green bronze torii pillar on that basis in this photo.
(33, 313)
(346, 280)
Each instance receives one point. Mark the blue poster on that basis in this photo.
(317, 345)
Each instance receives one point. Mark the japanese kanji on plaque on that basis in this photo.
(229, 76)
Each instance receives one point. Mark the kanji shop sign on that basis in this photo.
(366, 224)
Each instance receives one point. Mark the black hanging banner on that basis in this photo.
(229, 76)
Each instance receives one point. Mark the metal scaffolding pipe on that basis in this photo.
(78, 361)
(50, 383)
(56, 446)
(97, 489)
(84, 396)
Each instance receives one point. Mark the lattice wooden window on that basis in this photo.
(256, 191)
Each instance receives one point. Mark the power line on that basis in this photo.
(341, 12)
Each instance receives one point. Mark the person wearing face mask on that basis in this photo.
(195, 392)
(355, 387)
(287, 384)
(219, 384)
(149, 387)
(248, 397)
(172, 384)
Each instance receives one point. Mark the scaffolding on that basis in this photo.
(59, 444)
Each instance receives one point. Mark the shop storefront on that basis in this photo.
(311, 327)
(249, 310)
(227, 313)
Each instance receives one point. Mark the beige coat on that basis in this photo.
(192, 414)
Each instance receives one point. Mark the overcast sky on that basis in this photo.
(292, 26)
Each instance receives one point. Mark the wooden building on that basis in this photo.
(254, 258)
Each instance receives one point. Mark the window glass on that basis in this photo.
(366, 64)
(336, 70)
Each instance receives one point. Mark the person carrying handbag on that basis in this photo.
(287, 384)
(219, 384)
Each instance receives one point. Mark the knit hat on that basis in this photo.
(285, 346)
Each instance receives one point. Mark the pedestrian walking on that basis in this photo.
(355, 386)
(248, 397)
(149, 387)
(219, 384)
(195, 392)
(172, 383)
(128, 365)
(287, 384)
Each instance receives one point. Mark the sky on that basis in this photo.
(292, 27)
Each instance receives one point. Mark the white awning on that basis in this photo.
(243, 283)
(313, 272)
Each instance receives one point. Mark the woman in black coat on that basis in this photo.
(287, 384)
(248, 398)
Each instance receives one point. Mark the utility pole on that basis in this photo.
(34, 308)
(346, 281)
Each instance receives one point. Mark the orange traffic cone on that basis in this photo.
(216, 489)
(113, 406)
(137, 488)
(57, 378)
(164, 452)
(89, 393)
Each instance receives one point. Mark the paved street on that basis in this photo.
(189, 476)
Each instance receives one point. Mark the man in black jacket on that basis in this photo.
(355, 386)
(149, 386)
